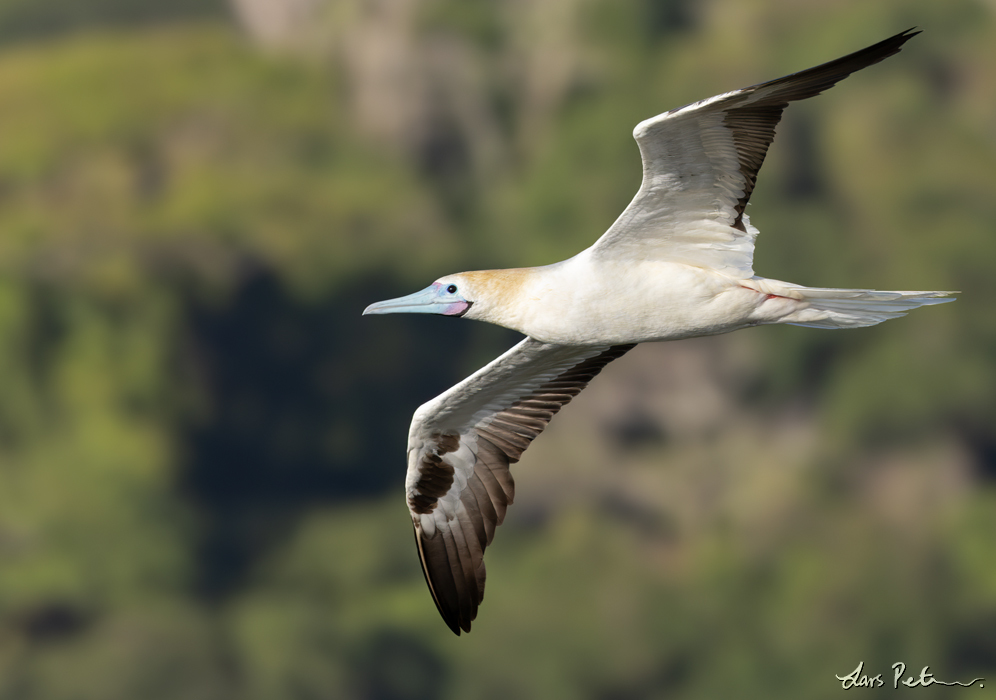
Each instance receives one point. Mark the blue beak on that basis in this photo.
(431, 300)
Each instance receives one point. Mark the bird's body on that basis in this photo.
(677, 263)
(581, 302)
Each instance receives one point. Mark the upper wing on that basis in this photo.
(459, 449)
(700, 163)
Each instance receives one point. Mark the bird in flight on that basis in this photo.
(677, 263)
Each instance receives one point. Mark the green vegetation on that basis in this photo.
(202, 443)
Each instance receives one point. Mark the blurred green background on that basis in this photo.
(202, 444)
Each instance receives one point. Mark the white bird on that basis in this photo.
(677, 263)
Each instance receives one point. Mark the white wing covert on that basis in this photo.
(700, 163)
(459, 449)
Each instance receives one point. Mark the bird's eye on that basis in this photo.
(451, 289)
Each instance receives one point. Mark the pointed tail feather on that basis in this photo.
(853, 308)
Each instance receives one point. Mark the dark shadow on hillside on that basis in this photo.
(307, 405)
(30, 20)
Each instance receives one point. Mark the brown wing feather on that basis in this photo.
(700, 165)
(753, 124)
(453, 556)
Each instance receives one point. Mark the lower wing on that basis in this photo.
(460, 447)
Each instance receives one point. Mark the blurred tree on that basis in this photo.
(30, 20)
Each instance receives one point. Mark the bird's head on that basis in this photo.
(448, 296)
(494, 296)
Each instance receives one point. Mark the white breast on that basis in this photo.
(586, 301)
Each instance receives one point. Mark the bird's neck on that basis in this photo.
(503, 297)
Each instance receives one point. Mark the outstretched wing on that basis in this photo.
(459, 449)
(700, 163)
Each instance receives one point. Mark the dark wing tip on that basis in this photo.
(754, 112)
(448, 612)
(893, 44)
(813, 81)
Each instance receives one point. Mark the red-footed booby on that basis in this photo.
(677, 263)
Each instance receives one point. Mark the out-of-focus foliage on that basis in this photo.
(202, 443)
(27, 20)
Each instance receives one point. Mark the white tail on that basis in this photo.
(853, 308)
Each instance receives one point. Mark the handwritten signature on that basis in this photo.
(859, 679)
